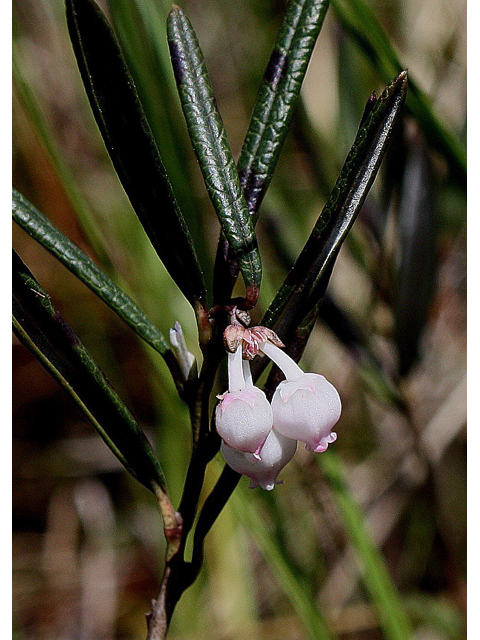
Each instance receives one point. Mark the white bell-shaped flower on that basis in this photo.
(244, 416)
(305, 405)
(276, 453)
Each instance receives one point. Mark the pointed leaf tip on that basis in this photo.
(305, 285)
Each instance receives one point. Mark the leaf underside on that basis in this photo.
(42, 329)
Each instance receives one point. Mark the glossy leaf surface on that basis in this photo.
(272, 114)
(212, 149)
(307, 281)
(130, 143)
(277, 97)
(76, 261)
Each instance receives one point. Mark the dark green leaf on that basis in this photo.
(307, 281)
(211, 146)
(131, 146)
(142, 34)
(271, 118)
(45, 333)
(278, 97)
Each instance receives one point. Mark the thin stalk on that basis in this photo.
(291, 370)
(236, 379)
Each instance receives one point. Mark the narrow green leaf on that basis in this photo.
(385, 597)
(130, 143)
(54, 241)
(362, 24)
(307, 281)
(211, 146)
(272, 114)
(44, 232)
(277, 97)
(42, 329)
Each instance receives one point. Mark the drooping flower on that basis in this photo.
(277, 451)
(244, 416)
(305, 406)
(257, 442)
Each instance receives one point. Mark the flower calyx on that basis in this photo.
(250, 339)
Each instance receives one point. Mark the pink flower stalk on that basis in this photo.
(244, 416)
(305, 406)
(276, 453)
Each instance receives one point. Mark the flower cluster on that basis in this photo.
(258, 437)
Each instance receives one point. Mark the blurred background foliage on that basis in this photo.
(311, 559)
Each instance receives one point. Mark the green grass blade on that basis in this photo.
(211, 146)
(45, 333)
(54, 241)
(306, 282)
(295, 587)
(363, 25)
(37, 116)
(302, 599)
(384, 595)
(131, 145)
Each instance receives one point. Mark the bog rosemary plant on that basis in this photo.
(256, 429)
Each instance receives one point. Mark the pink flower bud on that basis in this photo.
(307, 409)
(244, 416)
(276, 453)
(305, 406)
(244, 419)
